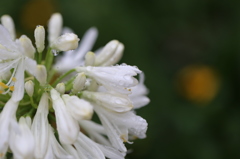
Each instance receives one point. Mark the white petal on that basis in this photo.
(116, 78)
(18, 92)
(111, 153)
(112, 132)
(40, 127)
(71, 150)
(6, 39)
(30, 66)
(6, 115)
(90, 147)
(95, 131)
(8, 23)
(115, 102)
(86, 43)
(67, 126)
(107, 52)
(140, 101)
(54, 27)
(22, 144)
(58, 150)
(79, 108)
(116, 56)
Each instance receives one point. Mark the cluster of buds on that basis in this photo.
(47, 103)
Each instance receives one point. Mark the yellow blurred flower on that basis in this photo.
(198, 83)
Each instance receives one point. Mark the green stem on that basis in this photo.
(62, 76)
(69, 84)
(49, 59)
(32, 102)
(50, 76)
(24, 103)
(39, 58)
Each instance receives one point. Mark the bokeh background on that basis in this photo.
(189, 51)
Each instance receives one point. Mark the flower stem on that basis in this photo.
(62, 76)
(39, 58)
(49, 59)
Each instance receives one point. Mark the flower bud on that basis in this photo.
(89, 59)
(8, 23)
(27, 45)
(60, 88)
(79, 108)
(79, 82)
(41, 74)
(39, 35)
(65, 42)
(107, 52)
(29, 87)
(54, 27)
(116, 56)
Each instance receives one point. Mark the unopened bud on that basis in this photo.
(60, 88)
(29, 87)
(65, 42)
(41, 74)
(54, 27)
(79, 108)
(8, 23)
(116, 56)
(39, 35)
(106, 53)
(79, 82)
(27, 45)
(89, 59)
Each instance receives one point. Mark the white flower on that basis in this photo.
(72, 59)
(79, 82)
(86, 86)
(40, 128)
(54, 27)
(39, 34)
(60, 88)
(41, 74)
(67, 126)
(89, 59)
(65, 42)
(110, 54)
(87, 148)
(113, 78)
(139, 92)
(6, 116)
(79, 108)
(29, 87)
(114, 102)
(8, 23)
(95, 131)
(22, 140)
(27, 45)
(54, 149)
(119, 125)
(12, 55)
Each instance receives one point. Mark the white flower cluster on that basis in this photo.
(46, 109)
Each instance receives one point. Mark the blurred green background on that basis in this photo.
(189, 51)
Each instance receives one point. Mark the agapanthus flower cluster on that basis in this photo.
(47, 101)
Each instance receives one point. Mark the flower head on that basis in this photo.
(60, 98)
